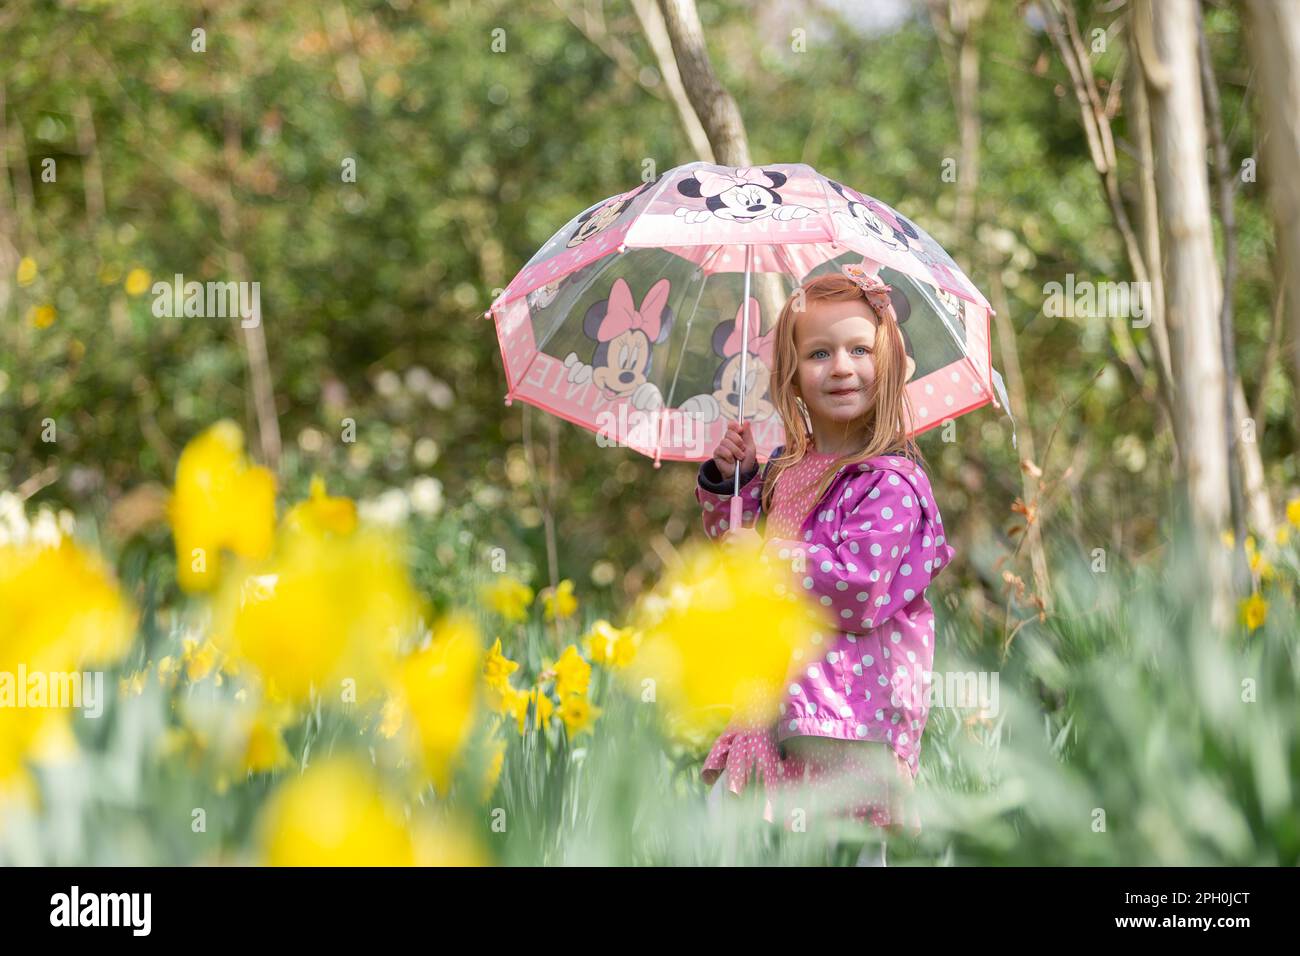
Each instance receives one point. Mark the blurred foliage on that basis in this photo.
(466, 161)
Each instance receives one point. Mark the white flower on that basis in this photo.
(426, 495)
(390, 508)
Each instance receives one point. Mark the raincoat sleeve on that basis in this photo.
(886, 549)
(713, 492)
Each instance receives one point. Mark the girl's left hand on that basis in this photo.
(743, 537)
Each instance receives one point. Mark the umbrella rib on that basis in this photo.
(681, 356)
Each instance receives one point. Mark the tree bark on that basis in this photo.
(1182, 186)
(1233, 396)
(1273, 36)
(656, 33)
(715, 107)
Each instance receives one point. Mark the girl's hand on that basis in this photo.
(742, 538)
(736, 445)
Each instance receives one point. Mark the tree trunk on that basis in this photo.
(1177, 120)
(715, 107)
(1273, 35)
(656, 33)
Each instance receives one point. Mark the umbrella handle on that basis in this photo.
(736, 506)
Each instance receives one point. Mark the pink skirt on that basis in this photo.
(877, 786)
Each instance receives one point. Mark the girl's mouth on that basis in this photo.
(844, 391)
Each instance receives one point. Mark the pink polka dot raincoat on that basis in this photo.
(865, 552)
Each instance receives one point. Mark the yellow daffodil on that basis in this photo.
(1293, 512)
(219, 502)
(496, 760)
(265, 749)
(720, 636)
(1283, 535)
(336, 815)
(41, 626)
(60, 611)
(508, 597)
(578, 714)
(515, 704)
(41, 316)
(544, 706)
(26, 271)
(132, 685)
(497, 668)
(199, 658)
(321, 514)
(1254, 610)
(611, 646)
(137, 281)
(440, 690)
(329, 612)
(169, 669)
(572, 673)
(560, 601)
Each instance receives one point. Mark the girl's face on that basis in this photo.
(835, 343)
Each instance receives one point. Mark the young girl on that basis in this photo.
(849, 509)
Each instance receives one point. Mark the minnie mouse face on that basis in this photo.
(863, 220)
(603, 216)
(747, 195)
(904, 234)
(626, 336)
(620, 365)
(727, 384)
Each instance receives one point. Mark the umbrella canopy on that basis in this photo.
(630, 322)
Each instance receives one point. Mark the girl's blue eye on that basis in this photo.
(820, 351)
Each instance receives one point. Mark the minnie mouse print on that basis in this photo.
(625, 337)
(742, 195)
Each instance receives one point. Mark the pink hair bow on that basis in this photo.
(623, 315)
(875, 290)
(758, 345)
(713, 184)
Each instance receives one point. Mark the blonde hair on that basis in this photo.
(889, 414)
